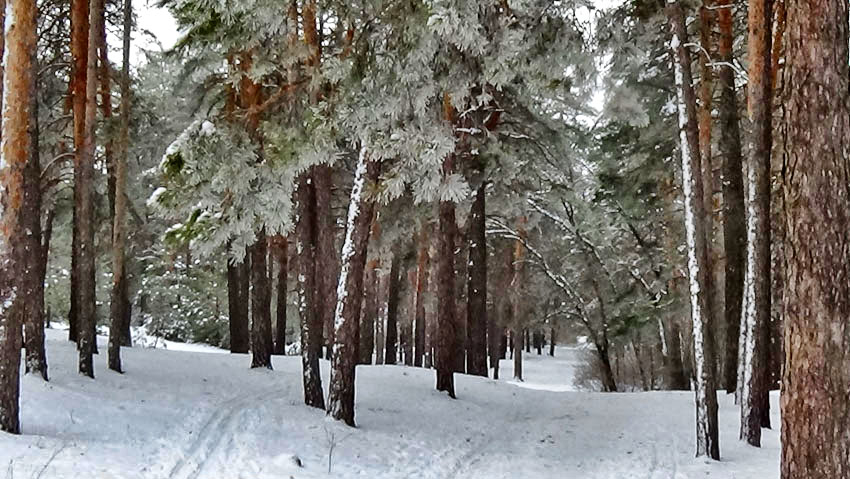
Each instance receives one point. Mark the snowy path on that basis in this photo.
(195, 415)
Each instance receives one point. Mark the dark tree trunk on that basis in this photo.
(282, 253)
(261, 314)
(446, 307)
(553, 336)
(344, 360)
(311, 321)
(734, 221)
(698, 254)
(17, 81)
(517, 295)
(120, 302)
(369, 313)
(674, 364)
(87, 320)
(423, 265)
(609, 382)
(392, 310)
(79, 70)
(816, 379)
(30, 300)
(476, 311)
(380, 331)
(237, 304)
(327, 254)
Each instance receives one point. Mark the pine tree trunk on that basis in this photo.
(407, 324)
(695, 218)
(754, 393)
(79, 70)
(423, 261)
(311, 321)
(360, 211)
(18, 79)
(553, 336)
(84, 183)
(734, 221)
(477, 286)
(380, 334)
(119, 304)
(282, 254)
(30, 299)
(261, 314)
(391, 356)
(517, 294)
(446, 308)
(327, 255)
(369, 313)
(816, 378)
(237, 305)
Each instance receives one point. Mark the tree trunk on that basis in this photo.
(18, 79)
(360, 211)
(369, 313)
(423, 261)
(84, 183)
(446, 308)
(30, 300)
(119, 304)
(553, 336)
(754, 393)
(380, 335)
(261, 314)
(815, 437)
(734, 221)
(407, 324)
(282, 252)
(327, 255)
(517, 294)
(695, 217)
(237, 304)
(79, 70)
(311, 321)
(391, 356)
(476, 311)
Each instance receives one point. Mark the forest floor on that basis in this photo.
(190, 414)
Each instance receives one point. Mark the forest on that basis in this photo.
(620, 223)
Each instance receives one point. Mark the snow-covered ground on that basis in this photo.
(178, 414)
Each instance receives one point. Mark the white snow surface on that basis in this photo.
(191, 414)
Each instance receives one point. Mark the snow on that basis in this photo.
(188, 414)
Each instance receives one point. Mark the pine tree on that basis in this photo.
(477, 285)
(18, 78)
(706, 399)
(815, 440)
(360, 214)
(754, 393)
(119, 304)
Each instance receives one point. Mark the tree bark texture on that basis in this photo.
(755, 401)
(237, 304)
(79, 71)
(282, 255)
(350, 297)
(261, 314)
(423, 265)
(695, 218)
(446, 307)
(391, 356)
(476, 311)
(734, 220)
(369, 312)
(18, 79)
(84, 182)
(815, 377)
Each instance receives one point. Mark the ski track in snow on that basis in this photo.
(192, 415)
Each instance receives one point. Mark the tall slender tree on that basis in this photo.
(360, 211)
(281, 252)
(734, 221)
(391, 340)
(815, 378)
(18, 77)
(79, 71)
(754, 393)
(476, 311)
(84, 182)
(118, 307)
(706, 396)
(422, 267)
